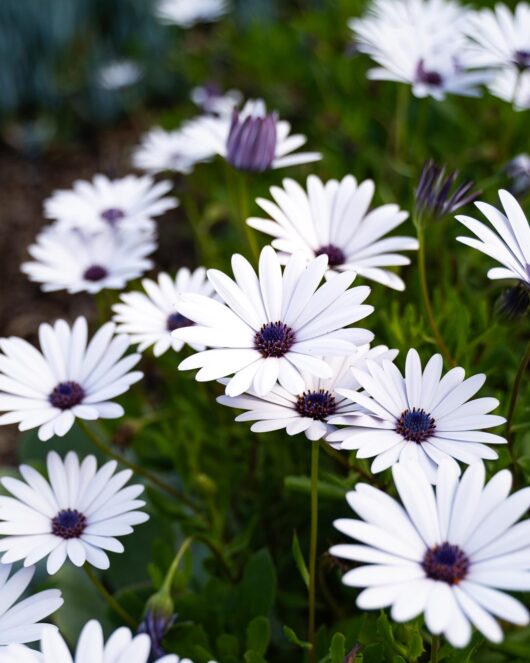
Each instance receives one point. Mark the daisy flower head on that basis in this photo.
(507, 242)
(91, 646)
(500, 37)
(444, 552)
(512, 86)
(309, 411)
(187, 13)
(129, 203)
(21, 622)
(421, 416)
(272, 326)
(76, 514)
(211, 99)
(77, 261)
(421, 43)
(149, 318)
(334, 219)
(179, 150)
(256, 140)
(69, 377)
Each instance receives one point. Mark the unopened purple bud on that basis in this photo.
(156, 625)
(251, 142)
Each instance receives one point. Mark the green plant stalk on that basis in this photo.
(237, 182)
(168, 580)
(113, 604)
(315, 447)
(200, 238)
(513, 400)
(422, 272)
(401, 119)
(137, 469)
(435, 648)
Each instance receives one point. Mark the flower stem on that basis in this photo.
(422, 271)
(313, 547)
(401, 119)
(513, 400)
(168, 580)
(113, 604)
(435, 648)
(238, 185)
(137, 469)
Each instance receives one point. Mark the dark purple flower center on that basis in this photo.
(447, 563)
(251, 142)
(112, 215)
(66, 395)
(415, 425)
(522, 59)
(69, 524)
(95, 273)
(177, 321)
(428, 76)
(274, 339)
(316, 404)
(335, 255)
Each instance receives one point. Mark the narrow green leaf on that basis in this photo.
(299, 559)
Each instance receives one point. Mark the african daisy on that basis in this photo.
(186, 13)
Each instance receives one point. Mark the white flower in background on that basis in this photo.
(421, 43)
(500, 37)
(119, 74)
(76, 261)
(76, 514)
(445, 553)
(512, 86)
(255, 140)
(334, 219)
(518, 171)
(273, 326)
(186, 13)
(211, 99)
(148, 319)
(121, 647)
(20, 622)
(309, 411)
(69, 378)
(509, 241)
(179, 150)
(421, 416)
(129, 203)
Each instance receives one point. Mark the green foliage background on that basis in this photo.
(247, 601)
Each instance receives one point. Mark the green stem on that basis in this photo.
(237, 182)
(435, 648)
(513, 400)
(113, 604)
(401, 120)
(200, 237)
(422, 271)
(137, 469)
(168, 580)
(313, 548)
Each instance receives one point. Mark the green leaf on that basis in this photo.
(326, 490)
(299, 559)
(258, 635)
(294, 639)
(255, 595)
(337, 651)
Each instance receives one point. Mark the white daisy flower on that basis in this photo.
(77, 513)
(309, 411)
(509, 241)
(512, 86)
(273, 326)
(445, 553)
(255, 140)
(68, 378)
(500, 37)
(211, 99)
(76, 261)
(421, 43)
(20, 622)
(129, 203)
(421, 416)
(334, 218)
(148, 319)
(119, 74)
(179, 150)
(91, 648)
(187, 13)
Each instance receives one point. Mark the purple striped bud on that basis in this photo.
(251, 142)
